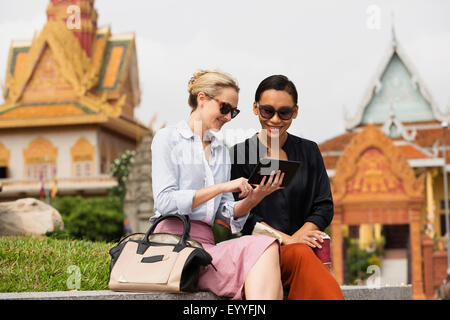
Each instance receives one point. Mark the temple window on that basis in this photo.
(40, 157)
(83, 154)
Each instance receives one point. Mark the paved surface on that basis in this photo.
(107, 295)
(350, 293)
(382, 293)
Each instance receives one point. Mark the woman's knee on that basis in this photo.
(299, 250)
(272, 253)
(274, 249)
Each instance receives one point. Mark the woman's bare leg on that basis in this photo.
(264, 278)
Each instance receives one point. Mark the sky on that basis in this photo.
(330, 49)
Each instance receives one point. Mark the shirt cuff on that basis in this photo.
(184, 199)
(237, 224)
(227, 213)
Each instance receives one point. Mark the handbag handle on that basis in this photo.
(182, 218)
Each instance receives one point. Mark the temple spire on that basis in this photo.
(79, 16)
(394, 37)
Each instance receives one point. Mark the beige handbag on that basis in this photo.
(157, 261)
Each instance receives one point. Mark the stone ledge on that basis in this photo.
(382, 293)
(350, 293)
(107, 295)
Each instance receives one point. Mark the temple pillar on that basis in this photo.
(365, 235)
(416, 256)
(377, 230)
(428, 267)
(431, 207)
(336, 247)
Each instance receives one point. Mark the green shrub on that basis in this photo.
(94, 219)
(99, 219)
(359, 260)
(65, 205)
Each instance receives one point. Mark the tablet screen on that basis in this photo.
(266, 166)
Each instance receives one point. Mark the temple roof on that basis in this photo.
(397, 103)
(52, 76)
(395, 89)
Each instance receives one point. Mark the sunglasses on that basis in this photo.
(284, 113)
(226, 108)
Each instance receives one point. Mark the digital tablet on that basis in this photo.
(266, 165)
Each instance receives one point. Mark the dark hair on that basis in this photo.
(277, 82)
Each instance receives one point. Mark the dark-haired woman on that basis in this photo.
(299, 212)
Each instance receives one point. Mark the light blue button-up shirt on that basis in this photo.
(178, 170)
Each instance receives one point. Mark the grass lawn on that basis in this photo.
(44, 264)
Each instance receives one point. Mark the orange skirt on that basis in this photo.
(305, 276)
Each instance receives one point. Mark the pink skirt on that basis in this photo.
(233, 258)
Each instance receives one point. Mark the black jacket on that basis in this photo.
(307, 198)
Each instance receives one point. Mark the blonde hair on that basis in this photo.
(210, 82)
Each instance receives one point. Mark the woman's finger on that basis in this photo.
(269, 182)
(244, 190)
(276, 178)
(307, 242)
(318, 235)
(281, 178)
(314, 241)
(248, 188)
(263, 180)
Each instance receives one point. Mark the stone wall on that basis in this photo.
(138, 202)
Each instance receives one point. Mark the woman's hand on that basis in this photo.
(311, 238)
(264, 188)
(253, 196)
(238, 185)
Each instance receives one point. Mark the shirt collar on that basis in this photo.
(214, 137)
(186, 132)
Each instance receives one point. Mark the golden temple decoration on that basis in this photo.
(39, 151)
(77, 69)
(82, 150)
(372, 165)
(83, 156)
(127, 61)
(373, 174)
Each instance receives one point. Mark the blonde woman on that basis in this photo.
(191, 176)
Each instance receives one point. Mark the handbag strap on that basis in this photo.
(186, 230)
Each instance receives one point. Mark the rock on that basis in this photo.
(28, 216)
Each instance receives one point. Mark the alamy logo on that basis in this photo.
(74, 20)
(373, 21)
(374, 281)
(74, 280)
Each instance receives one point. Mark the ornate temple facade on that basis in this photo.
(70, 95)
(386, 171)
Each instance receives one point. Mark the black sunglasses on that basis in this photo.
(226, 108)
(284, 113)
